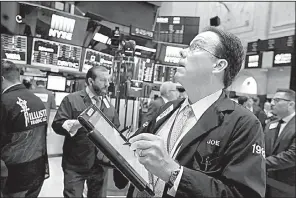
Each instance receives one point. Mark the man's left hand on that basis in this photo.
(153, 155)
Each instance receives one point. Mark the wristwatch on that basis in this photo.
(173, 177)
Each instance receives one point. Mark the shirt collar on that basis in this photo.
(202, 105)
(164, 99)
(90, 94)
(251, 108)
(10, 87)
(288, 118)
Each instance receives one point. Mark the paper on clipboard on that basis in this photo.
(114, 138)
(113, 144)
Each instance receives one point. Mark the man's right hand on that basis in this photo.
(75, 126)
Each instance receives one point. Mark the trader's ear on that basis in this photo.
(220, 65)
(90, 81)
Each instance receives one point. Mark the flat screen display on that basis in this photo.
(253, 61)
(55, 55)
(60, 26)
(282, 59)
(95, 58)
(14, 48)
(176, 29)
(170, 55)
(38, 19)
(145, 52)
(56, 83)
(59, 96)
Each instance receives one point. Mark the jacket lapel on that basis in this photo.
(86, 98)
(212, 118)
(167, 112)
(269, 138)
(290, 126)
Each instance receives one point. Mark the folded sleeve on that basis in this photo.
(64, 113)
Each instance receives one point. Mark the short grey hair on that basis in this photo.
(165, 87)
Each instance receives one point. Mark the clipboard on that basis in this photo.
(115, 146)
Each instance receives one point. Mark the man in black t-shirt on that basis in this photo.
(23, 135)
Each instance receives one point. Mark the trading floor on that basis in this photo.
(55, 181)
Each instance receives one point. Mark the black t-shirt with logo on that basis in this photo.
(21, 110)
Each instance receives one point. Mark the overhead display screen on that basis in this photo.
(169, 55)
(95, 58)
(275, 44)
(14, 48)
(141, 32)
(253, 61)
(282, 59)
(55, 55)
(176, 29)
(61, 27)
(145, 52)
(164, 73)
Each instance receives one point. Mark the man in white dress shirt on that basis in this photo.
(281, 146)
(205, 145)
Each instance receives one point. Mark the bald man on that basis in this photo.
(168, 92)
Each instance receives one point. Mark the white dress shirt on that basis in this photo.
(198, 108)
(286, 120)
(164, 99)
(251, 108)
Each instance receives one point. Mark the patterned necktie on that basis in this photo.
(180, 121)
(175, 132)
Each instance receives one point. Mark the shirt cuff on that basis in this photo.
(68, 124)
(172, 192)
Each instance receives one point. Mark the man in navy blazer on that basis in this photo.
(205, 145)
(281, 146)
(82, 161)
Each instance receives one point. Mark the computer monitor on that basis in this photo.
(56, 83)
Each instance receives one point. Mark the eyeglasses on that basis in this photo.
(196, 47)
(279, 99)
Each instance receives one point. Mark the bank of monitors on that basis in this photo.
(14, 48)
(55, 55)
